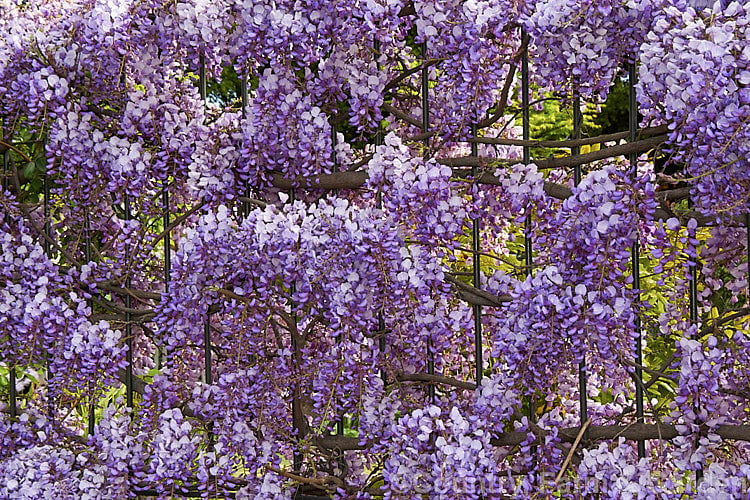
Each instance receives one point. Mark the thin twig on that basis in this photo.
(179, 220)
(15, 150)
(401, 115)
(572, 450)
(253, 201)
(319, 482)
(502, 103)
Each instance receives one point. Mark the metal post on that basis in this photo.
(382, 341)
(635, 258)
(207, 372)
(576, 150)
(526, 132)
(128, 318)
(476, 247)
(693, 305)
(245, 207)
(202, 85)
(87, 250)
(167, 254)
(48, 252)
(13, 408)
(425, 74)
(526, 135)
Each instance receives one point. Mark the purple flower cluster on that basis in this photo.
(695, 77)
(416, 192)
(579, 46)
(335, 307)
(335, 35)
(580, 300)
(617, 473)
(285, 131)
(45, 319)
(474, 41)
(439, 453)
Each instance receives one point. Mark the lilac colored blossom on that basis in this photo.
(580, 46)
(700, 91)
(318, 308)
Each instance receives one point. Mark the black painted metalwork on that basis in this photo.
(91, 417)
(167, 237)
(12, 396)
(576, 150)
(425, 94)
(207, 377)
(128, 317)
(526, 134)
(528, 251)
(694, 317)
(635, 257)
(476, 247)
(246, 207)
(382, 335)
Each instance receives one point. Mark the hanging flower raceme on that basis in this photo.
(702, 92)
(580, 46)
(44, 320)
(580, 301)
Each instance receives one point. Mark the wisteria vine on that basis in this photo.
(237, 250)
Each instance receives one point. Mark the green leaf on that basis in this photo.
(29, 169)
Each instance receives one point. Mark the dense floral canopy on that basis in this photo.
(259, 248)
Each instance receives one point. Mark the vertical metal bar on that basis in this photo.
(48, 253)
(296, 403)
(202, 85)
(693, 292)
(167, 237)
(425, 74)
(243, 93)
(526, 135)
(246, 207)
(207, 358)
(47, 217)
(6, 160)
(382, 340)
(12, 390)
(577, 125)
(526, 132)
(207, 350)
(87, 253)
(693, 297)
(635, 258)
(128, 317)
(339, 339)
(693, 312)
(476, 247)
(334, 159)
(576, 150)
(296, 455)
(167, 254)
(11, 366)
